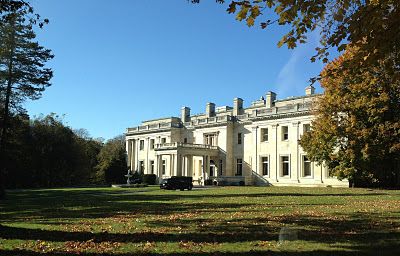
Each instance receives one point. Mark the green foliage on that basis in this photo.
(111, 166)
(357, 129)
(44, 152)
(149, 179)
(23, 74)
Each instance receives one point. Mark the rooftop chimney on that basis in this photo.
(310, 90)
(237, 106)
(270, 97)
(185, 114)
(210, 109)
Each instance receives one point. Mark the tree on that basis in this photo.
(22, 70)
(357, 129)
(112, 161)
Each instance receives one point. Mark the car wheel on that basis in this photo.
(190, 187)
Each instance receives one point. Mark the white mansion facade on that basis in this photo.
(258, 145)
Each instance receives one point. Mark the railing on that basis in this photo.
(209, 120)
(154, 127)
(184, 145)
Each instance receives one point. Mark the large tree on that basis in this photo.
(357, 128)
(111, 166)
(23, 74)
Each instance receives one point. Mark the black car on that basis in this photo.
(177, 182)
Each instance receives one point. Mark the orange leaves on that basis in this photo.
(90, 245)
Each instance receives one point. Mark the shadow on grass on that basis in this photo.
(102, 203)
(359, 231)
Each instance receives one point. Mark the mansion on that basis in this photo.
(257, 145)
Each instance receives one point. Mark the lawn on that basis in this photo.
(216, 221)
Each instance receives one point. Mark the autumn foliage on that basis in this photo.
(357, 129)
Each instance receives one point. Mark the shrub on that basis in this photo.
(149, 179)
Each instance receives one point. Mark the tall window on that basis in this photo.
(264, 134)
(163, 140)
(151, 166)
(239, 167)
(164, 166)
(220, 167)
(210, 139)
(285, 166)
(285, 132)
(141, 166)
(239, 138)
(306, 128)
(265, 163)
(141, 145)
(306, 166)
(151, 143)
(185, 140)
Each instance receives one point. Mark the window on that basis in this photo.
(264, 134)
(141, 145)
(152, 144)
(306, 166)
(141, 166)
(164, 166)
(163, 140)
(239, 138)
(264, 161)
(306, 128)
(151, 166)
(285, 166)
(220, 167)
(210, 139)
(239, 167)
(285, 132)
(185, 140)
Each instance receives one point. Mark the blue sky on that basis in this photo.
(118, 63)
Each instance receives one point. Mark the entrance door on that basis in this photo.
(212, 168)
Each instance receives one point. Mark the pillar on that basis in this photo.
(275, 155)
(295, 158)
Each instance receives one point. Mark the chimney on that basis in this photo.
(237, 106)
(210, 109)
(269, 99)
(185, 114)
(310, 90)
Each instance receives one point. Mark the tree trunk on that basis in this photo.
(6, 116)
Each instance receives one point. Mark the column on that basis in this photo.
(132, 157)
(203, 171)
(136, 165)
(159, 166)
(189, 169)
(171, 165)
(128, 152)
(255, 165)
(178, 165)
(275, 156)
(294, 147)
(184, 163)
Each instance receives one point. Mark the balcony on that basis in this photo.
(153, 127)
(176, 145)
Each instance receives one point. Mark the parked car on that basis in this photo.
(177, 182)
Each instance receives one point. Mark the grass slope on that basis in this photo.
(217, 221)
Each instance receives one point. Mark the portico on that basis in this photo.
(181, 157)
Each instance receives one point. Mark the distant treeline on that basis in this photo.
(44, 152)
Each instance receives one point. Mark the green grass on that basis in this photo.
(217, 221)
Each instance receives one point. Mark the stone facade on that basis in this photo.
(257, 145)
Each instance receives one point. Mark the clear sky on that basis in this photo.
(120, 62)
